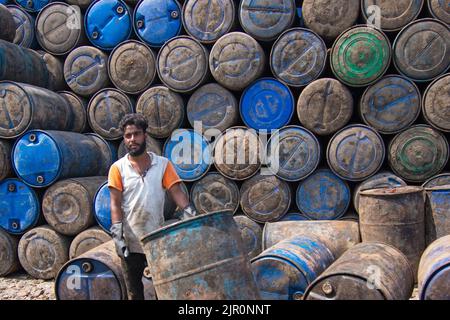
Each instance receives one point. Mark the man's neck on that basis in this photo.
(142, 158)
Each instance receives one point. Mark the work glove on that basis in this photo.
(187, 213)
(119, 240)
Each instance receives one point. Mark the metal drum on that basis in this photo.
(108, 152)
(266, 19)
(395, 216)
(439, 180)
(213, 107)
(78, 106)
(368, 271)
(298, 57)
(330, 18)
(350, 216)
(152, 145)
(40, 158)
(294, 216)
(208, 20)
(33, 5)
(8, 30)
(105, 110)
(379, 181)
(437, 212)
(360, 56)
(55, 69)
(203, 258)
(434, 271)
(5, 160)
(83, 4)
(323, 196)
(132, 67)
(215, 193)
(394, 15)
(238, 153)
(189, 152)
(25, 33)
(293, 153)
(28, 107)
(435, 104)
(157, 21)
(421, 49)
(182, 64)
(163, 109)
(265, 198)
(102, 207)
(85, 70)
(9, 262)
(325, 106)
(42, 252)
(439, 10)
(267, 104)
(236, 60)
(284, 271)
(67, 205)
(418, 153)
(87, 240)
(108, 23)
(95, 275)
(355, 153)
(59, 28)
(251, 233)
(338, 236)
(390, 105)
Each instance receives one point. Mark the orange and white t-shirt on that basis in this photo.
(142, 197)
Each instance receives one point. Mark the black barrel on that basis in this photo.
(9, 262)
(8, 29)
(251, 233)
(5, 160)
(78, 106)
(55, 69)
(25, 33)
(435, 104)
(108, 152)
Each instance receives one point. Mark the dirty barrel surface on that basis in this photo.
(435, 104)
(78, 105)
(25, 32)
(5, 159)
(437, 212)
(9, 261)
(87, 240)
(8, 30)
(251, 233)
(439, 10)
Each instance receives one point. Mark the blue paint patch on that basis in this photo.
(35, 5)
(102, 207)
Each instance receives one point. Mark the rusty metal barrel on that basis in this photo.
(390, 105)
(325, 106)
(67, 205)
(43, 251)
(439, 10)
(55, 69)
(108, 152)
(83, 4)
(8, 29)
(434, 271)
(87, 240)
(437, 212)
(5, 160)
(236, 60)
(238, 153)
(152, 145)
(85, 70)
(207, 20)
(418, 153)
(251, 233)
(25, 33)
(338, 236)
(367, 271)
(438, 180)
(435, 103)
(9, 260)
(95, 275)
(163, 109)
(421, 49)
(203, 258)
(213, 193)
(395, 216)
(78, 105)
(265, 198)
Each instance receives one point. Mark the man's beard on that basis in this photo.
(139, 151)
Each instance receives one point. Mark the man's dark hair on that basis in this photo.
(136, 119)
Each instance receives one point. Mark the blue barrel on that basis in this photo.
(19, 206)
(323, 196)
(25, 33)
(4, 2)
(40, 158)
(284, 271)
(267, 104)
(189, 152)
(439, 180)
(108, 23)
(156, 21)
(102, 207)
(437, 212)
(294, 216)
(32, 5)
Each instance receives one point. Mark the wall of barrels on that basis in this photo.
(323, 124)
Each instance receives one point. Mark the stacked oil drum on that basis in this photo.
(307, 120)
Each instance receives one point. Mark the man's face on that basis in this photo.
(134, 139)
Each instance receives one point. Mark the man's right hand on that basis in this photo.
(119, 240)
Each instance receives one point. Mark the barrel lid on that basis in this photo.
(32, 5)
(78, 107)
(436, 287)
(108, 23)
(37, 159)
(435, 104)
(251, 233)
(155, 22)
(439, 180)
(25, 26)
(102, 207)
(444, 188)
(267, 104)
(439, 9)
(19, 205)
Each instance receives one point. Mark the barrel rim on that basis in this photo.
(432, 12)
(430, 277)
(428, 181)
(32, 10)
(29, 18)
(424, 98)
(72, 248)
(392, 191)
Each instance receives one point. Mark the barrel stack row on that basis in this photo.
(297, 108)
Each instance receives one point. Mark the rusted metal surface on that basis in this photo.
(87, 240)
(108, 153)
(251, 233)
(105, 110)
(338, 236)
(418, 153)
(55, 71)
(9, 261)
(422, 49)
(439, 180)
(8, 29)
(203, 258)
(395, 216)
(437, 212)
(236, 60)
(78, 105)
(5, 160)
(325, 106)
(163, 109)
(284, 271)
(434, 271)
(67, 205)
(350, 216)
(435, 104)
(439, 10)
(152, 145)
(149, 288)
(132, 67)
(367, 271)
(215, 192)
(42, 252)
(25, 33)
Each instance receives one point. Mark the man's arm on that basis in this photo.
(179, 197)
(116, 205)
